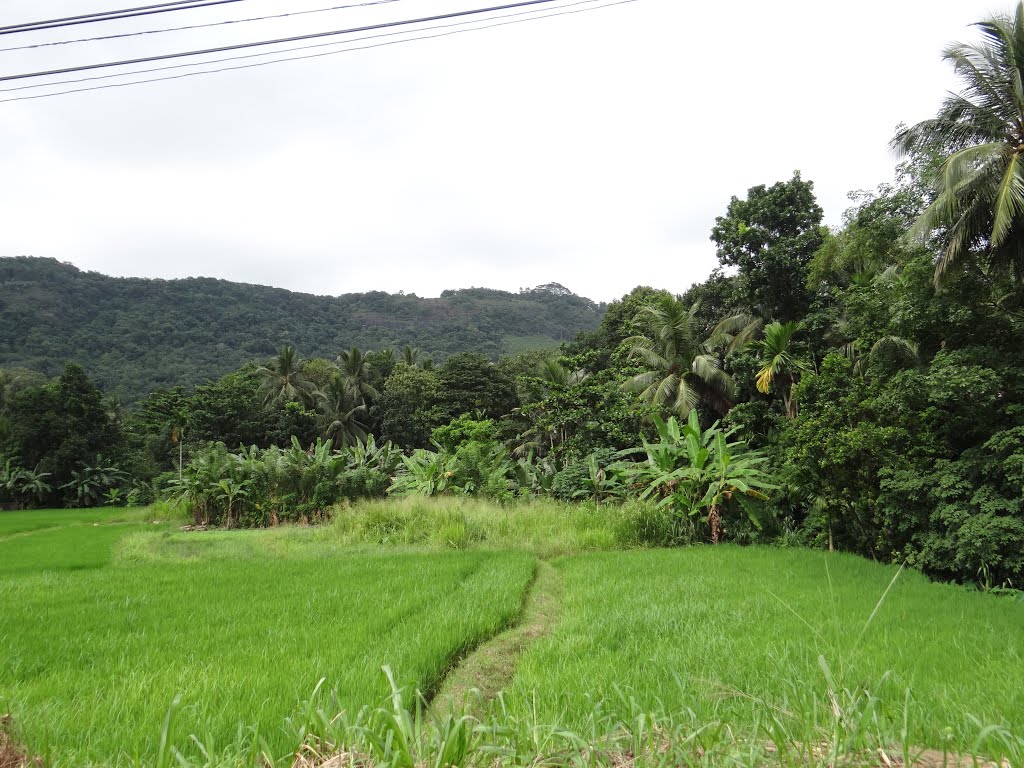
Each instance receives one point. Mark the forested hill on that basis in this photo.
(134, 335)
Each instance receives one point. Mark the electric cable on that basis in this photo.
(92, 18)
(296, 38)
(274, 53)
(315, 55)
(195, 26)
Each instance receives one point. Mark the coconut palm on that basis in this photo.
(979, 134)
(554, 374)
(355, 373)
(410, 355)
(680, 370)
(734, 332)
(283, 379)
(346, 415)
(414, 358)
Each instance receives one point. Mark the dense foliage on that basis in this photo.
(858, 389)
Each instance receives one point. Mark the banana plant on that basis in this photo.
(698, 472)
(426, 473)
(230, 490)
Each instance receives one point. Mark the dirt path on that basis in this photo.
(490, 668)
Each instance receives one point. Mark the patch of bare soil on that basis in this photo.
(892, 757)
(663, 753)
(933, 758)
(11, 754)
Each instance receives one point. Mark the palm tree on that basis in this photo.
(735, 331)
(897, 351)
(680, 370)
(554, 374)
(283, 379)
(345, 413)
(410, 355)
(414, 358)
(779, 366)
(355, 374)
(979, 134)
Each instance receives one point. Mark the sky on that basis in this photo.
(591, 149)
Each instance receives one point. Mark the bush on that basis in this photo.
(363, 483)
(574, 481)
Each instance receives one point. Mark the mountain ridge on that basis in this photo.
(136, 334)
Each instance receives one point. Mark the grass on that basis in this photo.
(90, 660)
(543, 527)
(699, 656)
(491, 667)
(38, 519)
(738, 632)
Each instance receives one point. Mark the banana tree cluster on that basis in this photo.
(19, 485)
(255, 487)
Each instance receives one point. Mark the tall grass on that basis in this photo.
(615, 732)
(546, 527)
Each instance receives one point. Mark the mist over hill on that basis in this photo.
(134, 335)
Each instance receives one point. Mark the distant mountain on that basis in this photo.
(134, 335)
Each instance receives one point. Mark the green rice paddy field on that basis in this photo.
(106, 619)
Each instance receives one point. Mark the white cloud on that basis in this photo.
(593, 149)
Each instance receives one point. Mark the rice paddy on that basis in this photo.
(91, 660)
(259, 638)
(732, 631)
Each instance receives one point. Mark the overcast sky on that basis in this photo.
(591, 149)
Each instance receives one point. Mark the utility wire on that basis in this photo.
(92, 18)
(196, 26)
(239, 46)
(102, 13)
(278, 52)
(318, 55)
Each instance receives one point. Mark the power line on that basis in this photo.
(238, 46)
(101, 13)
(196, 26)
(274, 53)
(127, 13)
(318, 55)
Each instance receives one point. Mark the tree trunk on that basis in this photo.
(715, 521)
(792, 409)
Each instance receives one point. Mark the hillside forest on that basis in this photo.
(135, 335)
(858, 388)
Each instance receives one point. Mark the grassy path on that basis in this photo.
(492, 666)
